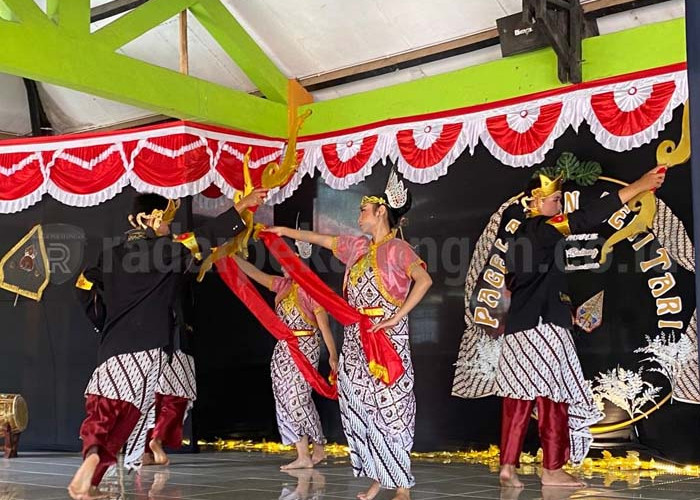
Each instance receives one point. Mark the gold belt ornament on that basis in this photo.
(302, 333)
(375, 312)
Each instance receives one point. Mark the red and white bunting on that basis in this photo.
(630, 114)
(174, 160)
(422, 153)
(521, 137)
(181, 158)
(343, 163)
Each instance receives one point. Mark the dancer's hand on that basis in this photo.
(278, 230)
(254, 199)
(333, 361)
(649, 182)
(653, 179)
(386, 324)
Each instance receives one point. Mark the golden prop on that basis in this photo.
(274, 175)
(644, 204)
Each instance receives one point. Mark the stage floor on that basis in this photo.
(256, 476)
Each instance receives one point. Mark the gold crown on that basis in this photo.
(372, 199)
(547, 186)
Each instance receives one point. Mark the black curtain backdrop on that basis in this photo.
(48, 348)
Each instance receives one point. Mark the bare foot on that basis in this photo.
(159, 456)
(319, 454)
(147, 459)
(81, 484)
(509, 478)
(370, 493)
(402, 494)
(557, 477)
(299, 463)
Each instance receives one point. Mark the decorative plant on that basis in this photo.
(583, 173)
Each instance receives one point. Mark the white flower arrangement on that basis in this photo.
(668, 353)
(626, 389)
(485, 361)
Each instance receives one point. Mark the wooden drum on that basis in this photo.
(13, 411)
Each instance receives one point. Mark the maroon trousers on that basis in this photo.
(170, 414)
(107, 427)
(553, 426)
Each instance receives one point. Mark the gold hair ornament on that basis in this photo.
(156, 218)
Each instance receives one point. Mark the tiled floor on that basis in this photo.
(256, 476)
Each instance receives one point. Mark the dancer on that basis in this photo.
(177, 386)
(138, 282)
(297, 418)
(378, 420)
(538, 364)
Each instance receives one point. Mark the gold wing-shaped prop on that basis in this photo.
(239, 243)
(274, 175)
(668, 154)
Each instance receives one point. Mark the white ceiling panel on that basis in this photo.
(14, 117)
(72, 111)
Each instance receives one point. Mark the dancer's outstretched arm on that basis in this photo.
(254, 273)
(322, 240)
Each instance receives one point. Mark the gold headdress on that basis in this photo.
(395, 193)
(547, 188)
(156, 217)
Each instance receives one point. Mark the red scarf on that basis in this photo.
(239, 283)
(384, 362)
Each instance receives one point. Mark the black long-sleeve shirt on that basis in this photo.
(535, 262)
(139, 282)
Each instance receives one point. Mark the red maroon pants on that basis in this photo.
(553, 426)
(107, 427)
(170, 414)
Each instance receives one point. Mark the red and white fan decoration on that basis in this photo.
(182, 158)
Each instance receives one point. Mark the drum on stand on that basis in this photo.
(14, 418)
(13, 411)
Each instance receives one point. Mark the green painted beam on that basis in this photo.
(72, 15)
(27, 11)
(5, 12)
(48, 53)
(242, 49)
(138, 21)
(614, 54)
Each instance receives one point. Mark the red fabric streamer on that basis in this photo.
(384, 362)
(239, 283)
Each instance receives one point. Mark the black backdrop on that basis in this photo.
(48, 348)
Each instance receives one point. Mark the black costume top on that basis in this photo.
(535, 264)
(133, 294)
